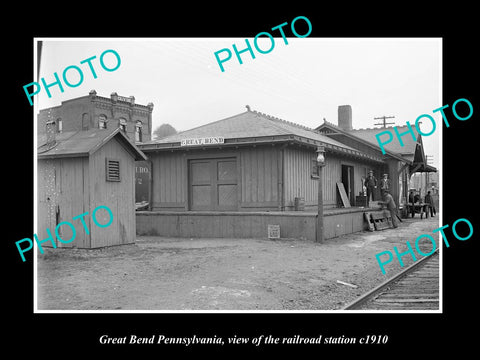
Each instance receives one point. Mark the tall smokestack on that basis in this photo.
(345, 117)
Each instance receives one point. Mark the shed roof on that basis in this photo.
(84, 143)
(252, 127)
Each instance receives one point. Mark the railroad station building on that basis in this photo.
(235, 176)
(250, 162)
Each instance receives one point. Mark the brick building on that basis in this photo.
(93, 111)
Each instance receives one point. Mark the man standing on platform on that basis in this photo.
(371, 185)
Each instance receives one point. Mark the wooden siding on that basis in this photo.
(293, 225)
(69, 187)
(332, 173)
(169, 181)
(263, 172)
(205, 224)
(118, 196)
(298, 183)
(259, 178)
(63, 193)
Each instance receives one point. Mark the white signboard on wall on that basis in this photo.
(203, 141)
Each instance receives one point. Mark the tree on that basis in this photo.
(163, 131)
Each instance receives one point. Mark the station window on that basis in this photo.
(59, 125)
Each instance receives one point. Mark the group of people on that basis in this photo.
(370, 184)
(414, 198)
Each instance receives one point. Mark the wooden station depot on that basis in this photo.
(236, 177)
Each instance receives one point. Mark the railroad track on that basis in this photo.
(415, 288)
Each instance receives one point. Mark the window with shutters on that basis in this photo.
(113, 169)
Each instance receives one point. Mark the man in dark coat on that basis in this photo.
(370, 184)
(431, 205)
(411, 201)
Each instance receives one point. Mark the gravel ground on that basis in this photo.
(222, 274)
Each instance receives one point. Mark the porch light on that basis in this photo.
(321, 156)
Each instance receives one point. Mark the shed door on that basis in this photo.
(213, 184)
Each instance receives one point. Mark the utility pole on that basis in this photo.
(384, 118)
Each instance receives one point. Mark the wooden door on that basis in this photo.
(348, 182)
(226, 197)
(213, 184)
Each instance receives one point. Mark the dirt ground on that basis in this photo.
(223, 274)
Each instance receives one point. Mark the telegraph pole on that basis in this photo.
(384, 118)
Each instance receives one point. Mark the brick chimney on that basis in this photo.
(345, 117)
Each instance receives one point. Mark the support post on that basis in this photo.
(320, 232)
(320, 164)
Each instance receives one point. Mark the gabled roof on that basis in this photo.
(84, 143)
(411, 151)
(252, 127)
(364, 138)
(409, 144)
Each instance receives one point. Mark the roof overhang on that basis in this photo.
(263, 140)
(133, 149)
(422, 167)
(337, 131)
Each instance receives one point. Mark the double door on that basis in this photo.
(213, 184)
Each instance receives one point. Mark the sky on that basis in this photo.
(303, 82)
